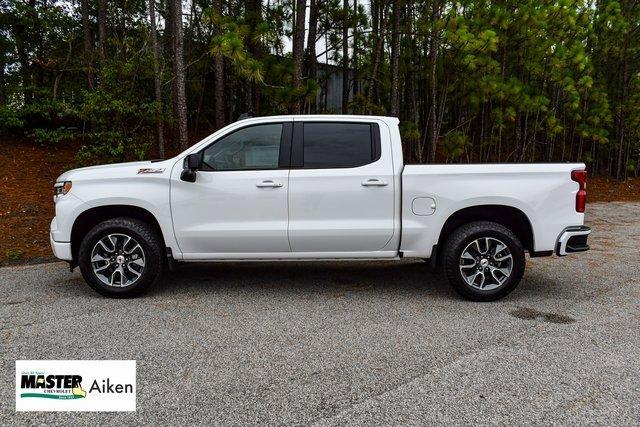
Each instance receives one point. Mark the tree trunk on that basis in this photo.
(375, 17)
(354, 49)
(156, 75)
(56, 80)
(345, 58)
(39, 42)
(298, 50)
(620, 119)
(23, 59)
(378, 53)
(311, 46)
(167, 46)
(218, 77)
(409, 105)
(253, 12)
(179, 76)
(395, 60)
(169, 52)
(88, 43)
(3, 96)
(102, 28)
(434, 46)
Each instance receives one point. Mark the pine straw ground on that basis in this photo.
(27, 173)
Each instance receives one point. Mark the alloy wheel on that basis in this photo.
(486, 263)
(117, 260)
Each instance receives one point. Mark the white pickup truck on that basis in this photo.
(321, 187)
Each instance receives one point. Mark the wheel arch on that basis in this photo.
(511, 217)
(93, 216)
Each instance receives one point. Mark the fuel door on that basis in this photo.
(423, 206)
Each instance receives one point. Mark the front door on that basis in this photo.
(238, 204)
(341, 189)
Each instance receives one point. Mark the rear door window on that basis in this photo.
(338, 145)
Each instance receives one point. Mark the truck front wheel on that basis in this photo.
(483, 260)
(121, 257)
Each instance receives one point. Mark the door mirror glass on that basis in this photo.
(194, 162)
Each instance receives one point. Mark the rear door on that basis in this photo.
(341, 188)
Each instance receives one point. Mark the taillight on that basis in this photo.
(581, 198)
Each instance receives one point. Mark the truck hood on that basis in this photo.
(117, 170)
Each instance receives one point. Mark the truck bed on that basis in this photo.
(541, 191)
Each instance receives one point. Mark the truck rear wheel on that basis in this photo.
(121, 257)
(483, 260)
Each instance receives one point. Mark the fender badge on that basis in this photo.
(150, 170)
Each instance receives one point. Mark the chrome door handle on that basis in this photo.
(373, 183)
(268, 184)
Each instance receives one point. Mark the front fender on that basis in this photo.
(148, 192)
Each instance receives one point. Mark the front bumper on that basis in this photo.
(573, 239)
(61, 250)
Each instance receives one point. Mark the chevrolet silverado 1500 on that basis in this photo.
(319, 187)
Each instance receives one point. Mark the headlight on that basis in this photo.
(61, 188)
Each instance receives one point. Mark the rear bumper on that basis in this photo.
(61, 250)
(573, 239)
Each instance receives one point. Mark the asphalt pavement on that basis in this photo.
(337, 343)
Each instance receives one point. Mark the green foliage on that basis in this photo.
(13, 254)
(115, 118)
(409, 131)
(11, 118)
(44, 135)
(361, 105)
(455, 143)
(109, 148)
(232, 44)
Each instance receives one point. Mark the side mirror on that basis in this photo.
(192, 163)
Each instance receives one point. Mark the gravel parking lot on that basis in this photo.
(349, 343)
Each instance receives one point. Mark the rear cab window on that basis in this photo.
(327, 145)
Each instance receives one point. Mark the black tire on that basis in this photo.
(465, 235)
(151, 247)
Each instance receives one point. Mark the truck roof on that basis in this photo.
(387, 119)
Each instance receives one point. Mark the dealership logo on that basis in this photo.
(75, 385)
(52, 386)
